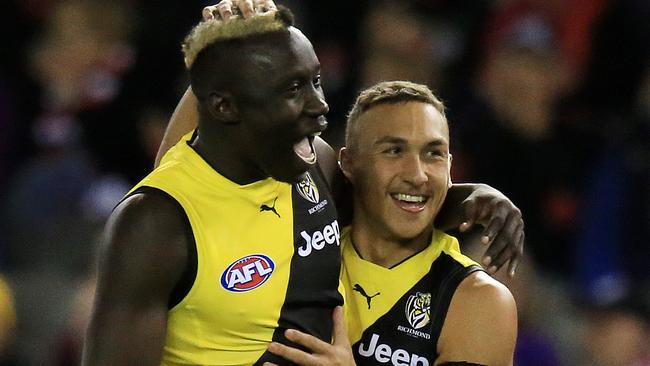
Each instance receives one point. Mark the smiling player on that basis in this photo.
(432, 305)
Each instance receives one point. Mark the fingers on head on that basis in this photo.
(226, 9)
(209, 12)
(223, 11)
(246, 8)
(262, 6)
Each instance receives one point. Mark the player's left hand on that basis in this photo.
(339, 353)
(503, 227)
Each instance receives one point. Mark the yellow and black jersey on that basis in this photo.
(395, 315)
(267, 259)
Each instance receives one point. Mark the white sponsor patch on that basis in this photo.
(317, 240)
(384, 353)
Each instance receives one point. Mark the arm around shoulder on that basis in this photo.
(184, 119)
(481, 323)
(143, 255)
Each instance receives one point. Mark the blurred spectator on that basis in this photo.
(506, 133)
(69, 345)
(618, 332)
(614, 103)
(396, 46)
(80, 60)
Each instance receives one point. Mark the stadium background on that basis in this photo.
(548, 100)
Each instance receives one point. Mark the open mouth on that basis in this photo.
(410, 202)
(305, 149)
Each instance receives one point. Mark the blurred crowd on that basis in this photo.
(548, 101)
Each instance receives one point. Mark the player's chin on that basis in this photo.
(410, 228)
(291, 171)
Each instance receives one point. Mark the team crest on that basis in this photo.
(307, 189)
(418, 310)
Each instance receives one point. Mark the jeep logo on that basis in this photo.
(383, 353)
(317, 240)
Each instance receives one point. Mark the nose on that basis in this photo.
(414, 170)
(315, 105)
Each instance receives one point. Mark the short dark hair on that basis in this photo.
(388, 92)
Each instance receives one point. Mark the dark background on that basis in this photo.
(548, 101)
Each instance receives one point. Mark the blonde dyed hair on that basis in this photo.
(388, 92)
(209, 32)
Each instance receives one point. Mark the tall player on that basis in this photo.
(412, 298)
(196, 270)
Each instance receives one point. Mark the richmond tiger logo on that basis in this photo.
(418, 310)
(307, 189)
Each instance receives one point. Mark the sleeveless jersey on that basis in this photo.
(395, 315)
(268, 259)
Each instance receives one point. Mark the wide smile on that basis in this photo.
(412, 203)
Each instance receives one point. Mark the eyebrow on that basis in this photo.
(300, 73)
(399, 140)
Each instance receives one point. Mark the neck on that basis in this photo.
(224, 156)
(380, 247)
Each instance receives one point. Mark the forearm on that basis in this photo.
(184, 119)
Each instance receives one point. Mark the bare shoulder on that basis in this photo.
(145, 243)
(147, 216)
(481, 323)
(486, 291)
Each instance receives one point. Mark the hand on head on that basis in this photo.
(227, 9)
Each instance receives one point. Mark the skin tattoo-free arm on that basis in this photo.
(143, 255)
(481, 324)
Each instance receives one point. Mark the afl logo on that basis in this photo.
(418, 310)
(307, 189)
(247, 273)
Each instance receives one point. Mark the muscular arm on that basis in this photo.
(184, 119)
(144, 253)
(481, 324)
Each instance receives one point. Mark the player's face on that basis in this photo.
(400, 169)
(281, 105)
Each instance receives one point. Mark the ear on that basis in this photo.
(449, 182)
(222, 108)
(345, 163)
